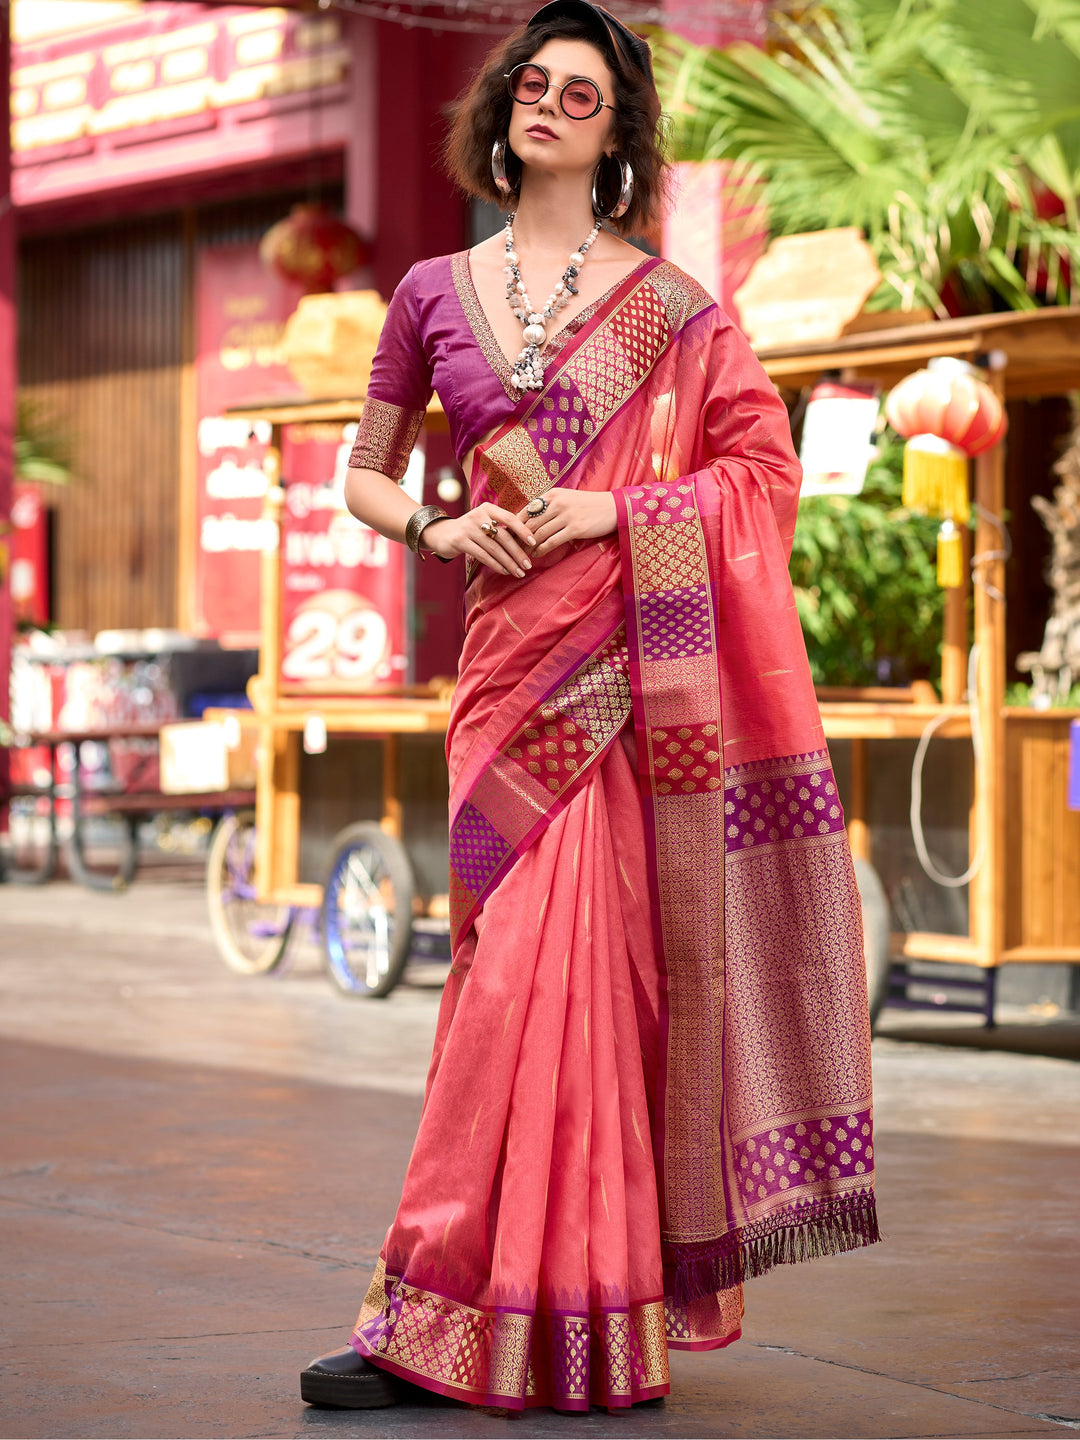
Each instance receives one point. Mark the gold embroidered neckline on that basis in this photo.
(480, 326)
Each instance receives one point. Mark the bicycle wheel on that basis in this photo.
(366, 920)
(875, 915)
(251, 937)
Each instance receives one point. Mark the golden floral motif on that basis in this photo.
(681, 295)
(375, 1299)
(712, 1318)
(515, 469)
(385, 438)
(650, 1327)
(481, 1352)
(671, 557)
(686, 826)
(796, 946)
(509, 1369)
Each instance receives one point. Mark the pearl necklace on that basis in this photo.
(528, 371)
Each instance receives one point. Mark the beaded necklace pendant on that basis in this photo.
(528, 369)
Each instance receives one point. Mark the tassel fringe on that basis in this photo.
(797, 1233)
(936, 478)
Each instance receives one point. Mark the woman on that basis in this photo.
(651, 1075)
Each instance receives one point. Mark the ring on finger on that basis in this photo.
(537, 506)
(490, 528)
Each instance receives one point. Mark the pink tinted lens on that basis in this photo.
(528, 84)
(580, 99)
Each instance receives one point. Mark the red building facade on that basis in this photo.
(149, 156)
(146, 153)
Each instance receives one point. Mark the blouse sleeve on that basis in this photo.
(398, 391)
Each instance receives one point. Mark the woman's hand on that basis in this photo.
(571, 515)
(505, 551)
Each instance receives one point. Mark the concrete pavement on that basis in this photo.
(197, 1170)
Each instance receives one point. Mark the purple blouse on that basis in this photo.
(436, 337)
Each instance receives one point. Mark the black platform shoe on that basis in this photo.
(347, 1380)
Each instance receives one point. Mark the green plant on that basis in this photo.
(948, 131)
(1019, 693)
(864, 573)
(41, 448)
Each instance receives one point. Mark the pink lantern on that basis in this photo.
(948, 400)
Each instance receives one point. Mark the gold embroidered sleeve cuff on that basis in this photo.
(385, 438)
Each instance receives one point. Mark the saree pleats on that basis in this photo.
(524, 1265)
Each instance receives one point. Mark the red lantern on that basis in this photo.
(312, 247)
(947, 414)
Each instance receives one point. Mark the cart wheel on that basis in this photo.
(103, 851)
(366, 920)
(875, 917)
(35, 847)
(250, 937)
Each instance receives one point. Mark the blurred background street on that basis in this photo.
(198, 1169)
(223, 700)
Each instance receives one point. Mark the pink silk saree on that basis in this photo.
(651, 1077)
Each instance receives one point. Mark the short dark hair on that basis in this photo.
(481, 115)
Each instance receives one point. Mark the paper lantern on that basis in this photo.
(313, 247)
(947, 414)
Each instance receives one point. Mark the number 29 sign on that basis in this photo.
(338, 635)
(343, 586)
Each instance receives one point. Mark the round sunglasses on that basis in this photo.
(579, 99)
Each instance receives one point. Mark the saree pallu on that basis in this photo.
(651, 1077)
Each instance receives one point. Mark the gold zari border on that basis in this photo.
(385, 438)
(484, 1354)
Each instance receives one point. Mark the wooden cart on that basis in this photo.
(1025, 896)
(260, 856)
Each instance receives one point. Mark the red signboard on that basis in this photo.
(29, 556)
(343, 585)
(241, 313)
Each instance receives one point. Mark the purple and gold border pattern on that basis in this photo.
(534, 775)
(742, 860)
(676, 687)
(771, 801)
(794, 1162)
(385, 438)
(516, 1358)
(593, 380)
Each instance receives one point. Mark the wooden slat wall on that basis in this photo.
(101, 336)
(99, 347)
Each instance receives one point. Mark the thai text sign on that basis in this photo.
(241, 314)
(343, 585)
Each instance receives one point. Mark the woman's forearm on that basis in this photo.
(379, 502)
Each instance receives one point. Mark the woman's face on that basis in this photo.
(542, 136)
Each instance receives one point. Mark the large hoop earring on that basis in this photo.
(626, 191)
(498, 169)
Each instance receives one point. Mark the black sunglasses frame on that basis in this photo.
(601, 103)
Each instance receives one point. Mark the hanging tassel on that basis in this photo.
(950, 557)
(936, 477)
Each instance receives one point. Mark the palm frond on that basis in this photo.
(924, 122)
(42, 451)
